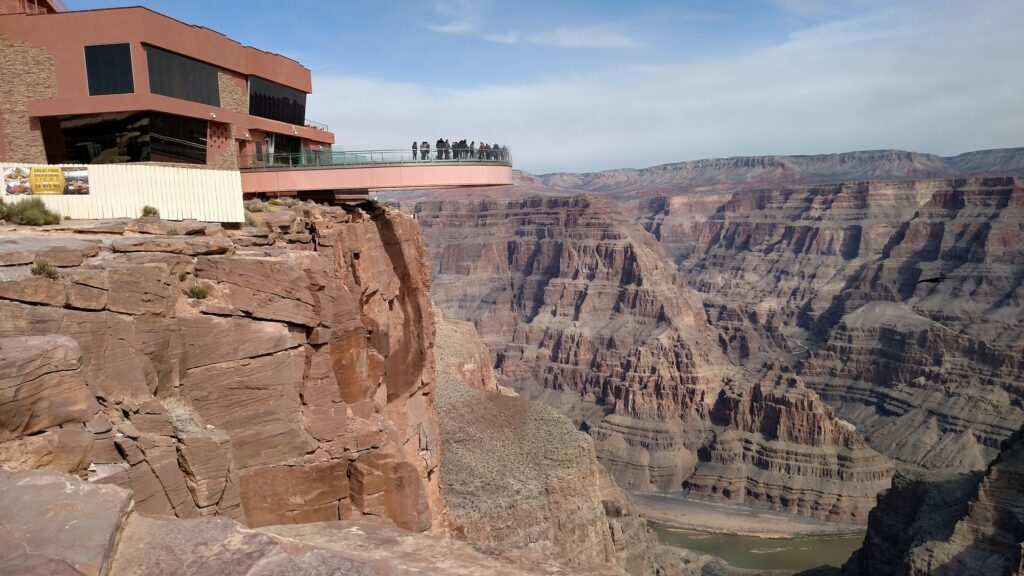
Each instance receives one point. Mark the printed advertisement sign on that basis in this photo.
(42, 180)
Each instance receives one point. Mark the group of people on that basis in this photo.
(443, 150)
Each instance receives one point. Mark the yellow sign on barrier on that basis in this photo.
(46, 180)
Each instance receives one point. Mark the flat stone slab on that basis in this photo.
(49, 519)
(186, 245)
(57, 250)
(218, 546)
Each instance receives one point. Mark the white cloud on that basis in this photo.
(598, 36)
(941, 78)
(453, 27)
(468, 19)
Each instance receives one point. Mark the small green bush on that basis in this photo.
(28, 212)
(250, 221)
(43, 268)
(198, 291)
(150, 211)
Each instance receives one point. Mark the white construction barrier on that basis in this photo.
(98, 191)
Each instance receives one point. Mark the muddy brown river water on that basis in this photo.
(799, 553)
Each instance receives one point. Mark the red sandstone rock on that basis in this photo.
(325, 359)
(34, 290)
(174, 245)
(52, 516)
(41, 385)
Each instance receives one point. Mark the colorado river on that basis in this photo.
(798, 553)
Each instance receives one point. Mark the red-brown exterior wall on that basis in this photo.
(62, 37)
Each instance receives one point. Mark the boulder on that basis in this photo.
(48, 520)
(41, 385)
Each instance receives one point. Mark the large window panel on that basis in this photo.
(177, 76)
(115, 137)
(177, 139)
(105, 138)
(277, 102)
(109, 69)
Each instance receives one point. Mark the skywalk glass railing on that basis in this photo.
(333, 158)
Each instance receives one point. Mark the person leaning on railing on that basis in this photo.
(424, 150)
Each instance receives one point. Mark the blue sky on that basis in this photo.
(587, 85)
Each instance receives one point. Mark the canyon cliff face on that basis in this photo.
(900, 302)
(943, 523)
(274, 375)
(520, 481)
(583, 311)
(777, 430)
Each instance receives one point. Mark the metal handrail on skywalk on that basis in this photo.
(333, 158)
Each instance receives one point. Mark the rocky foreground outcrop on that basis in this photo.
(582, 310)
(274, 374)
(943, 523)
(54, 524)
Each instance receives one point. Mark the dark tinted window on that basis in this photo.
(180, 77)
(114, 137)
(288, 145)
(110, 137)
(109, 69)
(177, 139)
(271, 100)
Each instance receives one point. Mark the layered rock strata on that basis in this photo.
(582, 308)
(583, 312)
(942, 523)
(777, 445)
(276, 374)
(519, 479)
(906, 296)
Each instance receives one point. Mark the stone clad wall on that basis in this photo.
(223, 149)
(28, 75)
(234, 91)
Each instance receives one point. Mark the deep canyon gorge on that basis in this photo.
(781, 332)
(472, 381)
